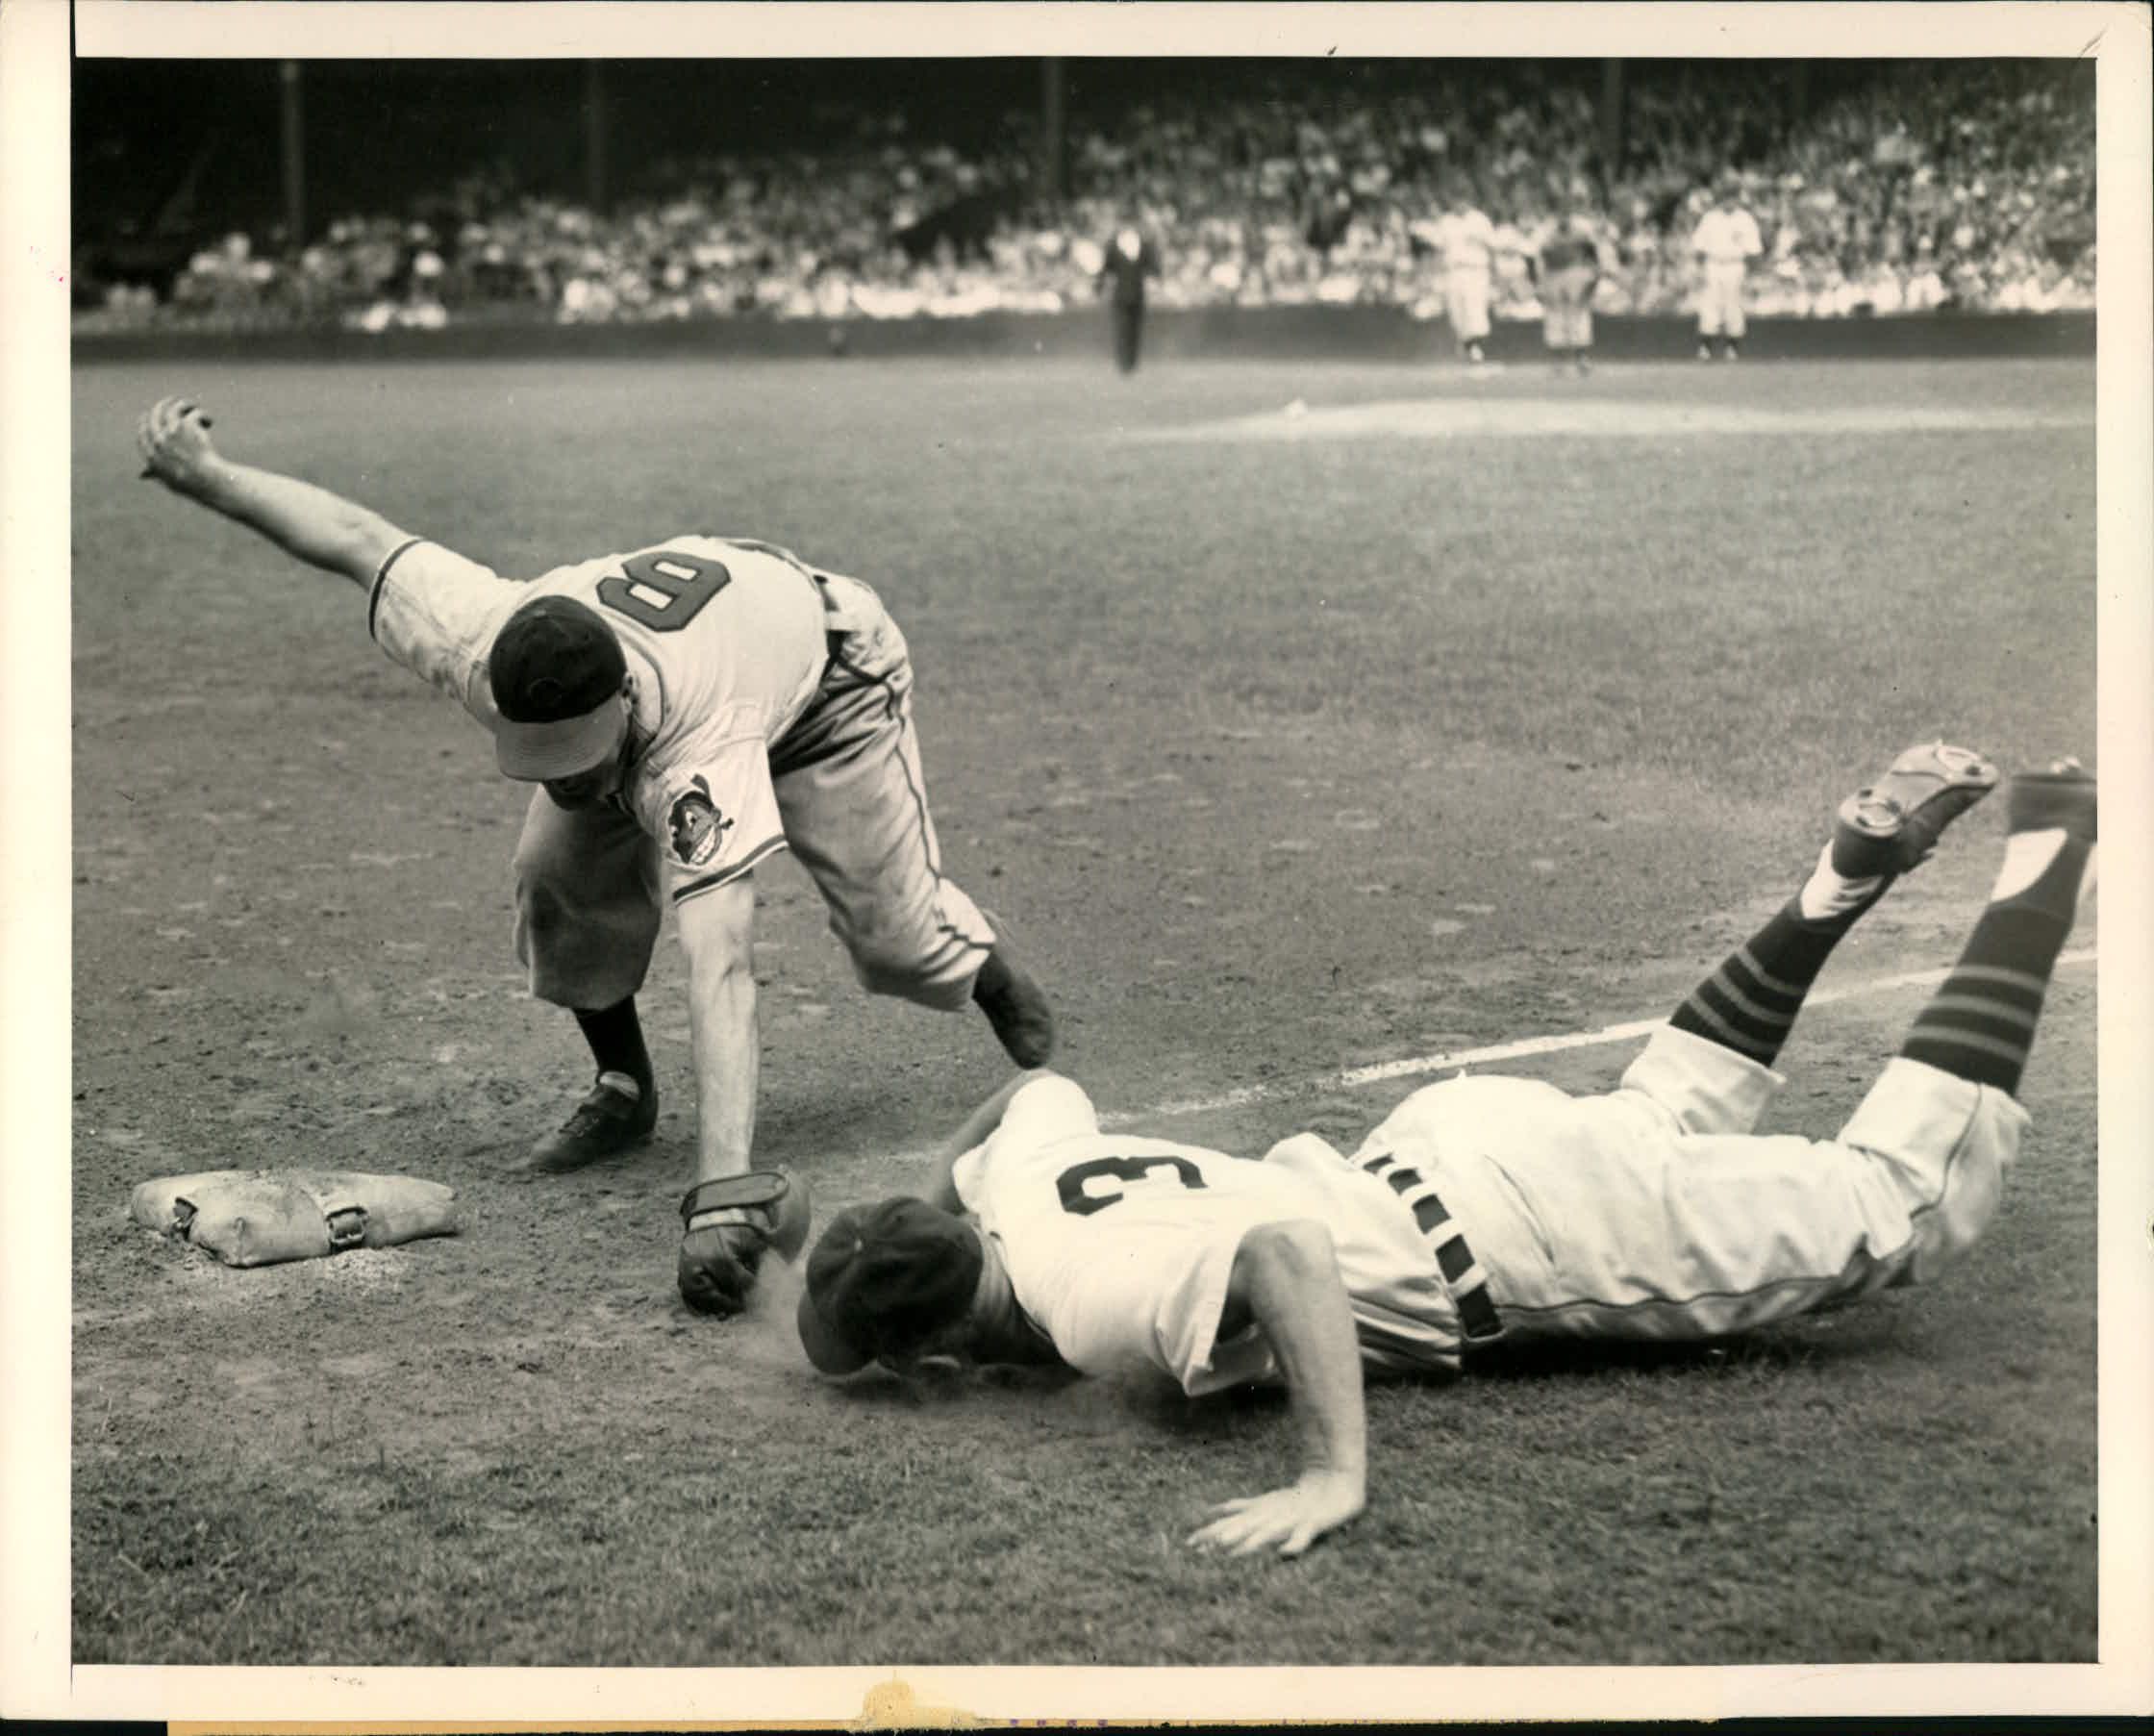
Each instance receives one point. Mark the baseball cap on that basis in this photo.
(556, 669)
(881, 1278)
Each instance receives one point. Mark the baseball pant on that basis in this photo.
(1721, 301)
(1567, 312)
(853, 802)
(1466, 300)
(1654, 1212)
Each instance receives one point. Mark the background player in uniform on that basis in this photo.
(685, 710)
(1465, 240)
(1486, 1211)
(1568, 267)
(1724, 243)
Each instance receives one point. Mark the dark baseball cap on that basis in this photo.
(882, 1279)
(556, 670)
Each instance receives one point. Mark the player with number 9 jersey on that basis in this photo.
(726, 645)
(684, 711)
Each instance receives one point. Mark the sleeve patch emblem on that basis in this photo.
(696, 825)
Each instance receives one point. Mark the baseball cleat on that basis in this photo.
(1893, 824)
(610, 1119)
(2062, 798)
(728, 1225)
(1017, 1009)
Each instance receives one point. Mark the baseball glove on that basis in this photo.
(727, 1225)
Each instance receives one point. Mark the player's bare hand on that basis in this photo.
(1286, 1520)
(174, 436)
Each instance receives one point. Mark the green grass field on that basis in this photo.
(1446, 713)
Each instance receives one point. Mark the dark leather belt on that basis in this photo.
(1454, 1259)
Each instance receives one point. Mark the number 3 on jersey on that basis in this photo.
(1077, 1196)
(663, 589)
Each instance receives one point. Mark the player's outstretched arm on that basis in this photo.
(1285, 1278)
(323, 529)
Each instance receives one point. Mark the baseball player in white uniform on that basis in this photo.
(1489, 1210)
(1465, 240)
(684, 711)
(1724, 243)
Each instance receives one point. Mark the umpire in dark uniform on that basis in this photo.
(1130, 261)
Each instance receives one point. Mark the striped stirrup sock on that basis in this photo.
(1750, 1002)
(1980, 1024)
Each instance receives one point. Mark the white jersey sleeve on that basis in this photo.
(1150, 1295)
(714, 811)
(436, 613)
(1041, 1111)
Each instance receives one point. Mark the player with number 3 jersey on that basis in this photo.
(686, 710)
(1486, 1211)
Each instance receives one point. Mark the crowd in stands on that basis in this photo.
(1971, 189)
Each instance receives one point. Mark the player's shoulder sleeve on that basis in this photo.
(436, 613)
(1043, 1111)
(1138, 1275)
(1044, 1128)
(1153, 1298)
(712, 811)
(1186, 1321)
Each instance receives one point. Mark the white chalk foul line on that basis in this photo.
(1413, 1066)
